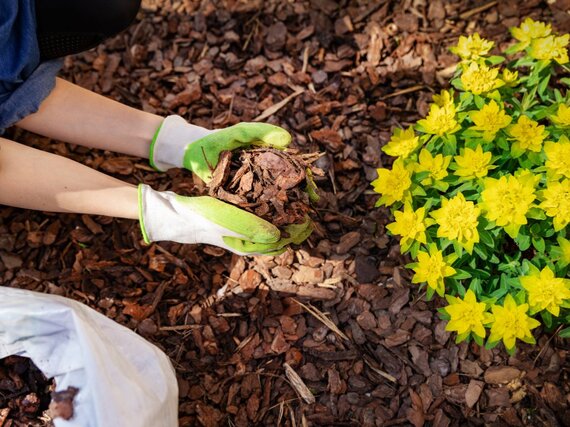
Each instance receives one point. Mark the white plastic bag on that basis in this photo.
(123, 380)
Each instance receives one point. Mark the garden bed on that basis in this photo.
(340, 311)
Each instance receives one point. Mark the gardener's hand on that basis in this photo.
(168, 216)
(180, 144)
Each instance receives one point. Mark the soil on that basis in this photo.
(267, 182)
(24, 393)
(330, 334)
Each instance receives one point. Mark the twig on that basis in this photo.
(158, 296)
(276, 107)
(298, 384)
(369, 11)
(477, 10)
(403, 91)
(305, 59)
(179, 327)
(324, 319)
(546, 345)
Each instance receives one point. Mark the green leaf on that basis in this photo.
(487, 238)
(565, 80)
(546, 318)
(461, 274)
(489, 345)
(495, 59)
(522, 241)
(478, 339)
(420, 176)
(536, 213)
(479, 250)
(539, 244)
(479, 101)
(475, 286)
(564, 333)
(514, 48)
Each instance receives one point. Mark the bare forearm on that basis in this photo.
(33, 179)
(79, 116)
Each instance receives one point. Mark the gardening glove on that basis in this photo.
(178, 143)
(168, 216)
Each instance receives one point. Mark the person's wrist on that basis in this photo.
(171, 140)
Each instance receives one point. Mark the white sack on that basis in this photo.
(123, 380)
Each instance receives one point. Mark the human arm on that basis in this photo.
(79, 116)
(73, 114)
(34, 179)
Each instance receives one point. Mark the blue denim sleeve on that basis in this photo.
(24, 81)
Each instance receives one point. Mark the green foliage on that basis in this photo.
(480, 191)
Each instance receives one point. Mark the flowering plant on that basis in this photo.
(480, 189)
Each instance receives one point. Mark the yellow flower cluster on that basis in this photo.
(506, 201)
(545, 291)
(479, 78)
(490, 119)
(393, 184)
(543, 45)
(528, 136)
(480, 189)
(432, 267)
(472, 48)
(457, 220)
(558, 158)
(441, 119)
(472, 164)
(508, 322)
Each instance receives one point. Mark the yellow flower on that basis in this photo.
(473, 164)
(457, 220)
(510, 77)
(563, 251)
(556, 202)
(440, 120)
(392, 185)
(403, 143)
(545, 291)
(510, 322)
(436, 166)
(443, 99)
(550, 48)
(480, 79)
(528, 135)
(490, 119)
(529, 30)
(562, 116)
(409, 225)
(472, 48)
(558, 158)
(507, 200)
(432, 268)
(467, 315)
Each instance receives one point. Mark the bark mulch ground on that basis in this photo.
(330, 334)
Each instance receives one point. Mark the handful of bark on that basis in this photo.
(267, 182)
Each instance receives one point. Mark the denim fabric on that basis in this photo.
(24, 81)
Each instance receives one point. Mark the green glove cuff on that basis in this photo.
(141, 222)
(151, 153)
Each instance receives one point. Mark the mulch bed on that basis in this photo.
(253, 340)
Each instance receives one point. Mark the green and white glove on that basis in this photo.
(168, 216)
(179, 144)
